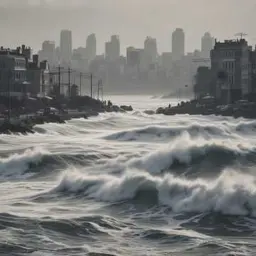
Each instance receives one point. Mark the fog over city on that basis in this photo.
(127, 127)
(132, 20)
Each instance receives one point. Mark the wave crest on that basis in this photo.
(163, 132)
(186, 150)
(231, 193)
(17, 164)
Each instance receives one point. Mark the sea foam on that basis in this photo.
(231, 193)
(16, 164)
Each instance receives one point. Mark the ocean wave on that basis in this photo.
(194, 129)
(38, 162)
(88, 225)
(231, 193)
(69, 129)
(16, 164)
(246, 126)
(23, 231)
(163, 132)
(185, 150)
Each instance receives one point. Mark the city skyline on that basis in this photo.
(110, 17)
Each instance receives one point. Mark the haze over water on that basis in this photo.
(132, 20)
(130, 184)
(136, 183)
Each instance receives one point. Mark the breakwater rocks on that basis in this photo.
(21, 128)
(115, 108)
(25, 126)
(240, 109)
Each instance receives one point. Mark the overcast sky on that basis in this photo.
(33, 21)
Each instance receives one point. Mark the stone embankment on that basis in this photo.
(241, 109)
(25, 125)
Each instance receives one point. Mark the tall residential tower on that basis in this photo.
(66, 47)
(91, 47)
(178, 44)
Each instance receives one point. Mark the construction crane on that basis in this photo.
(241, 35)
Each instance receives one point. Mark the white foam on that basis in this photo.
(164, 132)
(184, 149)
(17, 164)
(231, 193)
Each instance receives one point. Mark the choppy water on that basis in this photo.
(130, 184)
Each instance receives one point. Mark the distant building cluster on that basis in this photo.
(225, 70)
(141, 69)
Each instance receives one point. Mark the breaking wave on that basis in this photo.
(187, 151)
(232, 193)
(16, 165)
(220, 129)
(163, 132)
(40, 162)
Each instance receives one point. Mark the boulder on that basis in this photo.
(8, 128)
(91, 113)
(160, 111)
(149, 112)
(115, 108)
(127, 108)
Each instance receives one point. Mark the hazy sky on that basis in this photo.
(33, 21)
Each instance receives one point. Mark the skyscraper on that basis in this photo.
(91, 47)
(115, 42)
(48, 52)
(66, 47)
(112, 49)
(150, 49)
(178, 44)
(108, 51)
(207, 44)
(133, 56)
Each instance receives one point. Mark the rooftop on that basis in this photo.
(228, 43)
(19, 51)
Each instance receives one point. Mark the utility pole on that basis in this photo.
(102, 91)
(43, 83)
(59, 81)
(91, 84)
(80, 83)
(99, 84)
(69, 82)
(9, 96)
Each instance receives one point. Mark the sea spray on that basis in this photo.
(154, 132)
(17, 164)
(232, 193)
(171, 130)
(185, 150)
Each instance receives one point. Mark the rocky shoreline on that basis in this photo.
(25, 126)
(243, 109)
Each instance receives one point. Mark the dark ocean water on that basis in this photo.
(130, 184)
